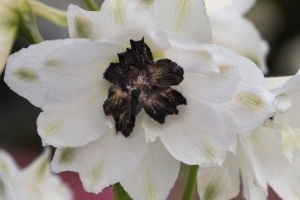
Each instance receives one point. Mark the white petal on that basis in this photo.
(21, 73)
(81, 23)
(230, 6)
(274, 83)
(191, 56)
(239, 35)
(282, 176)
(248, 149)
(184, 18)
(251, 189)
(104, 161)
(154, 176)
(37, 182)
(8, 167)
(73, 113)
(290, 84)
(195, 136)
(215, 89)
(6, 190)
(290, 137)
(252, 103)
(219, 183)
(122, 20)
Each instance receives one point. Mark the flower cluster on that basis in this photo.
(138, 88)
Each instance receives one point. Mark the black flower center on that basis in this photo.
(139, 82)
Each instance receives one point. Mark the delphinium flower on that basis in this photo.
(34, 182)
(135, 91)
(269, 156)
(18, 17)
(231, 29)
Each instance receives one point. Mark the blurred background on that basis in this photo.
(277, 20)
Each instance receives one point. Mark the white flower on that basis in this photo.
(232, 30)
(65, 79)
(267, 157)
(287, 92)
(34, 182)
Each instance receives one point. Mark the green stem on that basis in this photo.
(31, 33)
(91, 5)
(120, 193)
(191, 182)
(53, 15)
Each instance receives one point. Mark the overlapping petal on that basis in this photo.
(219, 183)
(104, 161)
(193, 137)
(154, 176)
(239, 35)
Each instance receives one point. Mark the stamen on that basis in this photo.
(139, 82)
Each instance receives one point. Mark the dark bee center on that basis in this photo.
(139, 82)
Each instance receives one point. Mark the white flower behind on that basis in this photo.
(232, 30)
(269, 156)
(34, 182)
(65, 79)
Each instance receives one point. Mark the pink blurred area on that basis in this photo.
(25, 157)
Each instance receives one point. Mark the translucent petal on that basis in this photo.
(239, 35)
(106, 160)
(81, 23)
(154, 176)
(22, 70)
(122, 20)
(219, 183)
(195, 136)
(230, 6)
(185, 18)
